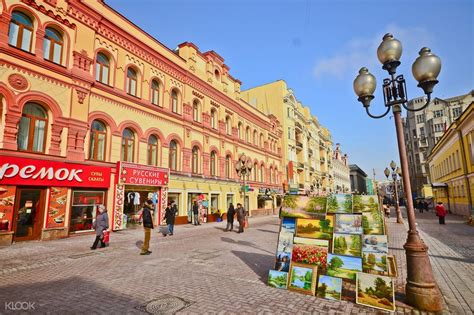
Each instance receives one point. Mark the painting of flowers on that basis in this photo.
(277, 279)
(348, 223)
(310, 254)
(375, 291)
(375, 244)
(313, 228)
(329, 288)
(339, 203)
(302, 278)
(346, 244)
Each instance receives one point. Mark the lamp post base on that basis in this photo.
(399, 217)
(421, 290)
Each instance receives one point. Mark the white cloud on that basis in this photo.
(361, 52)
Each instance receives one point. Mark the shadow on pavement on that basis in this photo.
(259, 263)
(267, 231)
(243, 243)
(139, 244)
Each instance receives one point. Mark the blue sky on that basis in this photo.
(317, 47)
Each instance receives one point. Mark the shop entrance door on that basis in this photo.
(29, 211)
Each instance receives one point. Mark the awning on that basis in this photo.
(439, 185)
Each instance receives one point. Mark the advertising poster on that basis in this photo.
(7, 200)
(57, 207)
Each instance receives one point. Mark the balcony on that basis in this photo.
(299, 145)
(298, 126)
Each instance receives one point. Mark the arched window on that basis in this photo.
(128, 145)
(262, 174)
(213, 118)
(270, 176)
(255, 137)
(228, 167)
(155, 92)
(228, 125)
(97, 141)
(32, 128)
(261, 140)
(247, 134)
(131, 82)
(217, 74)
(53, 45)
(195, 161)
(254, 171)
(213, 163)
(196, 110)
(240, 130)
(174, 101)
(153, 150)
(102, 68)
(173, 156)
(20, 34)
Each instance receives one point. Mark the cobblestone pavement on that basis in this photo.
(198, 270)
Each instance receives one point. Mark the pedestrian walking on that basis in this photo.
(170, 215)
(196, 213)
(386, 209)
(241, 217)
(147, 217)
(440, 212)
(230, 218)
(100, 224)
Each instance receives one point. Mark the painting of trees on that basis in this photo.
(325, 226)
(375, 291)
(335, 263)
(290, 201)
(348, 203)
(316, 205)
(332, 204)
(357, 205)
(322, 290)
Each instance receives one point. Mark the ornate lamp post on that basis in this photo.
(393, 166)
(243, 167)
(421, 289)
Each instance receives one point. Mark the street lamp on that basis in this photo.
(395, 174)
(243, 167)
(422, 291)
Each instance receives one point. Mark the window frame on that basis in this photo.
(173, 156)
(174, 101)
(100, 72)
(228, 167)
(213, 163)
(150, 147)
(129, 80)
(155, 92)
(51, 46)
(21, 27)
(32, 129)
(94, 140)
(195, 160)
(125, 144)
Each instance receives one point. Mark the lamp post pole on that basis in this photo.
(395, 174)
(421, 289)
(243, 167)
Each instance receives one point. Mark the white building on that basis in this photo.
(342, 182)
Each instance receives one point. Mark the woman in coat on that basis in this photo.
(170, 215)
(230, 218)
(441, 212)
(100, 225)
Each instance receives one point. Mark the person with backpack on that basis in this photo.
(170, 215)
(100, 224)
(147, 217)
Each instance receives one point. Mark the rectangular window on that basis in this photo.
(84, 209)
(57, 54)
(23, 134)
(38, 140)
(13, 34)
(457, 112)
(26, 40)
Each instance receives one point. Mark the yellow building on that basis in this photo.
(307, 152)
(84, 90)
(451, 165)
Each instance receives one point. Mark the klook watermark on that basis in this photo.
(20, 306)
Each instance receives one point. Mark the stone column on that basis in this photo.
(10, 132)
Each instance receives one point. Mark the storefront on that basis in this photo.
(134, 185)
(37, 197)
(268, 199)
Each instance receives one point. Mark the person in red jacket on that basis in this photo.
(440, 212)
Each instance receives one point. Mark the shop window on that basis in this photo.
(131, 82)
(213, 163)
(20, 34)
(128, 145)
(174, 101)
(53, 45)
(153, 150)
(213, 119)
(97, 141)
(214, 203)
(102, 68)
(173, 156)
(230, 200)
(84, 209)
(32, 128)
(195, 162)
(261, 202)
(155, 92)
(196, 110)
(228, 167)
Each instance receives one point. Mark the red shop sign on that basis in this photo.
(32, 172)
(137, 174)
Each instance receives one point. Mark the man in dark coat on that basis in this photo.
(230, 218)
(241, 217)
(196, 213)
(147, 216)
(170, 215)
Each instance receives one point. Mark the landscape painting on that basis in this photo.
(365, 203)
(312, 228)
(302, 278)
(303, 207)
(310, 254)
(372, 223)
(277, 279)
(375, 291)
(282, 261)
(374, 263)
(329, 288)
(348, 223)
(285, 242)
(339, 203)
(346, 244)
(288, 225)
(375, 244)
(311, 241)
(343, 266)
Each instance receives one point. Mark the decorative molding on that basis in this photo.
(82, 60)
(50, 13)
(198, 95)
(188, 132)
(18, 82)
(81, 95)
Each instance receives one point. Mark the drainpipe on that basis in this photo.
(468, 185)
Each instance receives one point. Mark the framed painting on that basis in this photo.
(310, 254)
(348, 223)
(302, 278)
(282, 261)
(288, 225)
(343, 266)
(303, 207)
(375, 244)
(392, 266)
(372, 223)
(375, 291)
(374, 263)
(314, 228)
(347, 244)
(365, 203)
(277, 279)
(339, 203)
(329, 288)
(311, 241)
(285, 242)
